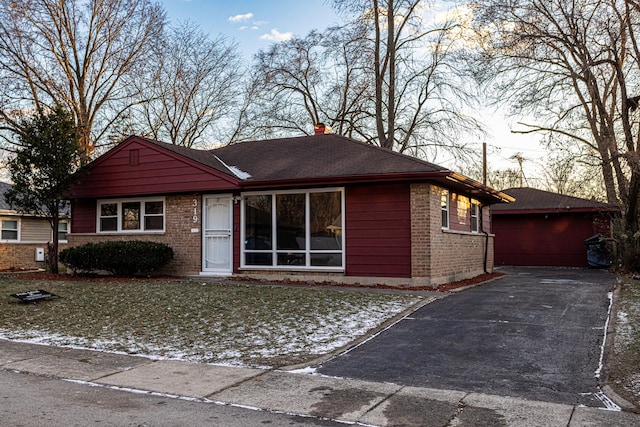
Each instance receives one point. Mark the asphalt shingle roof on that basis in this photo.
(325, 155)
(531, 199)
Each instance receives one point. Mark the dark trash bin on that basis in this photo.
(598, 256)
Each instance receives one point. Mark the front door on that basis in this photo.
(216, 234)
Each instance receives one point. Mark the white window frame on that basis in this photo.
(143, 215)
(66, 223)
(475, 219)
(444, 209)
(307, 251)
(17, 229)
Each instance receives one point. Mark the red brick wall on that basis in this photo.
(441, 256)
(187, 245)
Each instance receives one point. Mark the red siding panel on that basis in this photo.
(542, 240)
(378, 230)
(83, 216)
(154, 171)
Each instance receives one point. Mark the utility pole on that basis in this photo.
(484, 164)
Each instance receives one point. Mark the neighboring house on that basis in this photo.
(547, 229)
(24, 238)
(322, 207)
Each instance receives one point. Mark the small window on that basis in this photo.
(9, 229)
(63, 229)
(474, 216)
(444, 207)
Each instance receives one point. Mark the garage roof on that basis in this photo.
(532, 200)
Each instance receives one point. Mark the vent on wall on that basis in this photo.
(134, 157)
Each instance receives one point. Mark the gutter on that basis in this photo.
(486, 239)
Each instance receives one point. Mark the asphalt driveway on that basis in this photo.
(536, 333)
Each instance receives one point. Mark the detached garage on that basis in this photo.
(547, 229)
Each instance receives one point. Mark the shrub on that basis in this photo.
(126, 258)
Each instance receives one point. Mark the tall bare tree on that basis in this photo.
(78, 53)
(389, 76)
(195, 84)
(574, 65)
(420, 89)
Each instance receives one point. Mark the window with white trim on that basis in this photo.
(444, 208)
(475, 208)
(126, 216)
(63, 229)
(293, 229)
(9, 229)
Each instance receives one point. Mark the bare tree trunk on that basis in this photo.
(53, 247)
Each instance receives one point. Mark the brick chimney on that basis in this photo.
(319, 128)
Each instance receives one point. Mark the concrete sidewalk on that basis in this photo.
(353, 401)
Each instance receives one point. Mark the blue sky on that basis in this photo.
(254, 24)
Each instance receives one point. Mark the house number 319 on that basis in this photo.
(195, 211)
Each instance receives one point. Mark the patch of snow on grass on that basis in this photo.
(237, 342)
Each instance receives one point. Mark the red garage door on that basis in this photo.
(544, 240)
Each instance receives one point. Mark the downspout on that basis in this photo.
(486, 239)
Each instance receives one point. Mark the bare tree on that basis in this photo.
(573, 66)
(312, 79)
(194, 86)
(78, 53)
(387, 77)
(420, 88)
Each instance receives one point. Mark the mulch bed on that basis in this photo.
(447, 287)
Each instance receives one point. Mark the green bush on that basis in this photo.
(126, 258)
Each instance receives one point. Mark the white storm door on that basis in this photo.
(217, 253)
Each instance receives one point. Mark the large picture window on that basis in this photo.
(125, 216)
(297, 229)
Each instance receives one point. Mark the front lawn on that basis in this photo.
(213, 322)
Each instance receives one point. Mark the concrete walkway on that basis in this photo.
(354, 401)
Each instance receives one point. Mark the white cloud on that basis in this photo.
(276, 36)
(240, 18)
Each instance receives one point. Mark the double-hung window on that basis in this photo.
(444, 208)
(124, 216)
(63, 229)
(9, 229)
(293, 229)
(475, 208)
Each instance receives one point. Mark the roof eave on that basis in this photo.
(480, 190)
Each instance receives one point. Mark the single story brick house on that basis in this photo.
(24, 238)
(321, 207)
(542, 228)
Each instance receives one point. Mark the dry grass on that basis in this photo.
(624, 366)
(228, 323)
